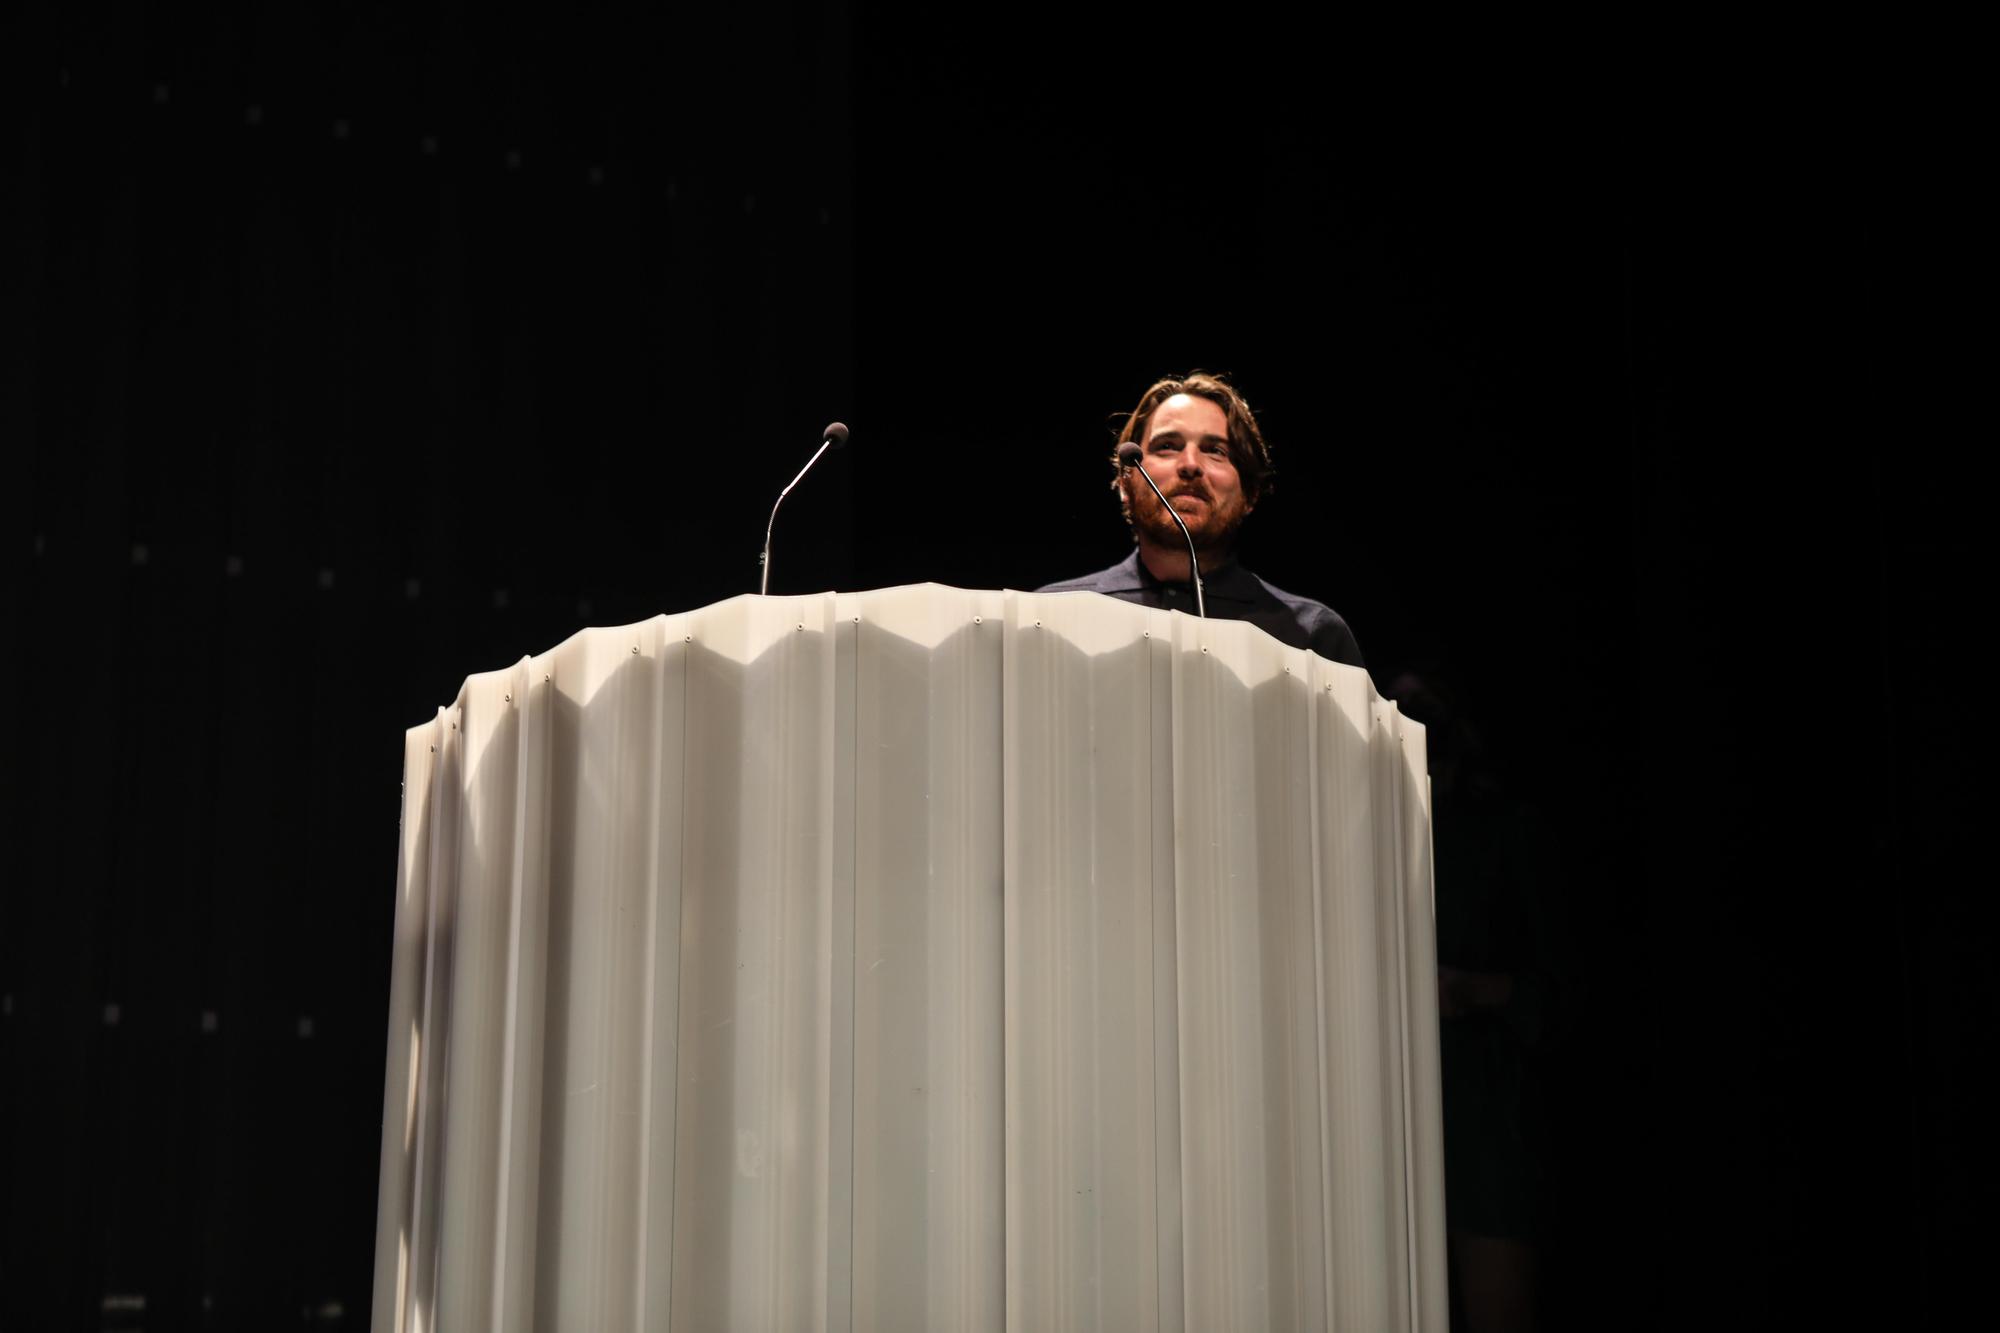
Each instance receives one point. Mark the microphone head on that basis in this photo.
(836, 435)
(1128, 454)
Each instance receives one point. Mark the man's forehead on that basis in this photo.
(1185, 414)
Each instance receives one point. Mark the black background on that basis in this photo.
(350, 349)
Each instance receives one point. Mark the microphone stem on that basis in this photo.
(764, 585)
(1194, 562)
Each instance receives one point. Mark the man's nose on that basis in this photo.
(1188, 462)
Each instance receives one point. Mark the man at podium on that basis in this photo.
(1198, 441)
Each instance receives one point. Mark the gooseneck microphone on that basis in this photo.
(1128, 457)
(833, 437)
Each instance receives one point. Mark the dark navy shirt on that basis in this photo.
(1231, 593)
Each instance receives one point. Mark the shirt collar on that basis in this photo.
(1229, 581)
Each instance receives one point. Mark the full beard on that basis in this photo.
(1214, 531)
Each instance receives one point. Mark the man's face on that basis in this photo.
(1186, 452)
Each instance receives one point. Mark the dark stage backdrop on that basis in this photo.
(352, 349)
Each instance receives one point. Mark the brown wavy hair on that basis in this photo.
(1247, 449)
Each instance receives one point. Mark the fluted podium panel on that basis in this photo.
(914, 959)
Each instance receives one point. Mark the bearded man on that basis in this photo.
(1199, 442)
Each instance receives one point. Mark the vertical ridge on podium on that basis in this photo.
(666, 655)
(1352, 1020)
(433, 1088)
(1283, 818)
(476, 937)
(750, 1173)
(1385, 757)
(518, 1165)
(1427, 1229)
(1222, 1059)
(927, 1162)
(1154, 754)
(396, 1184)
(1080, 950)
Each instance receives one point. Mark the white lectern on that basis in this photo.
(914, 959)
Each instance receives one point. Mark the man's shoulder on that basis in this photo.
(1303, 607)
(1326, 631)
